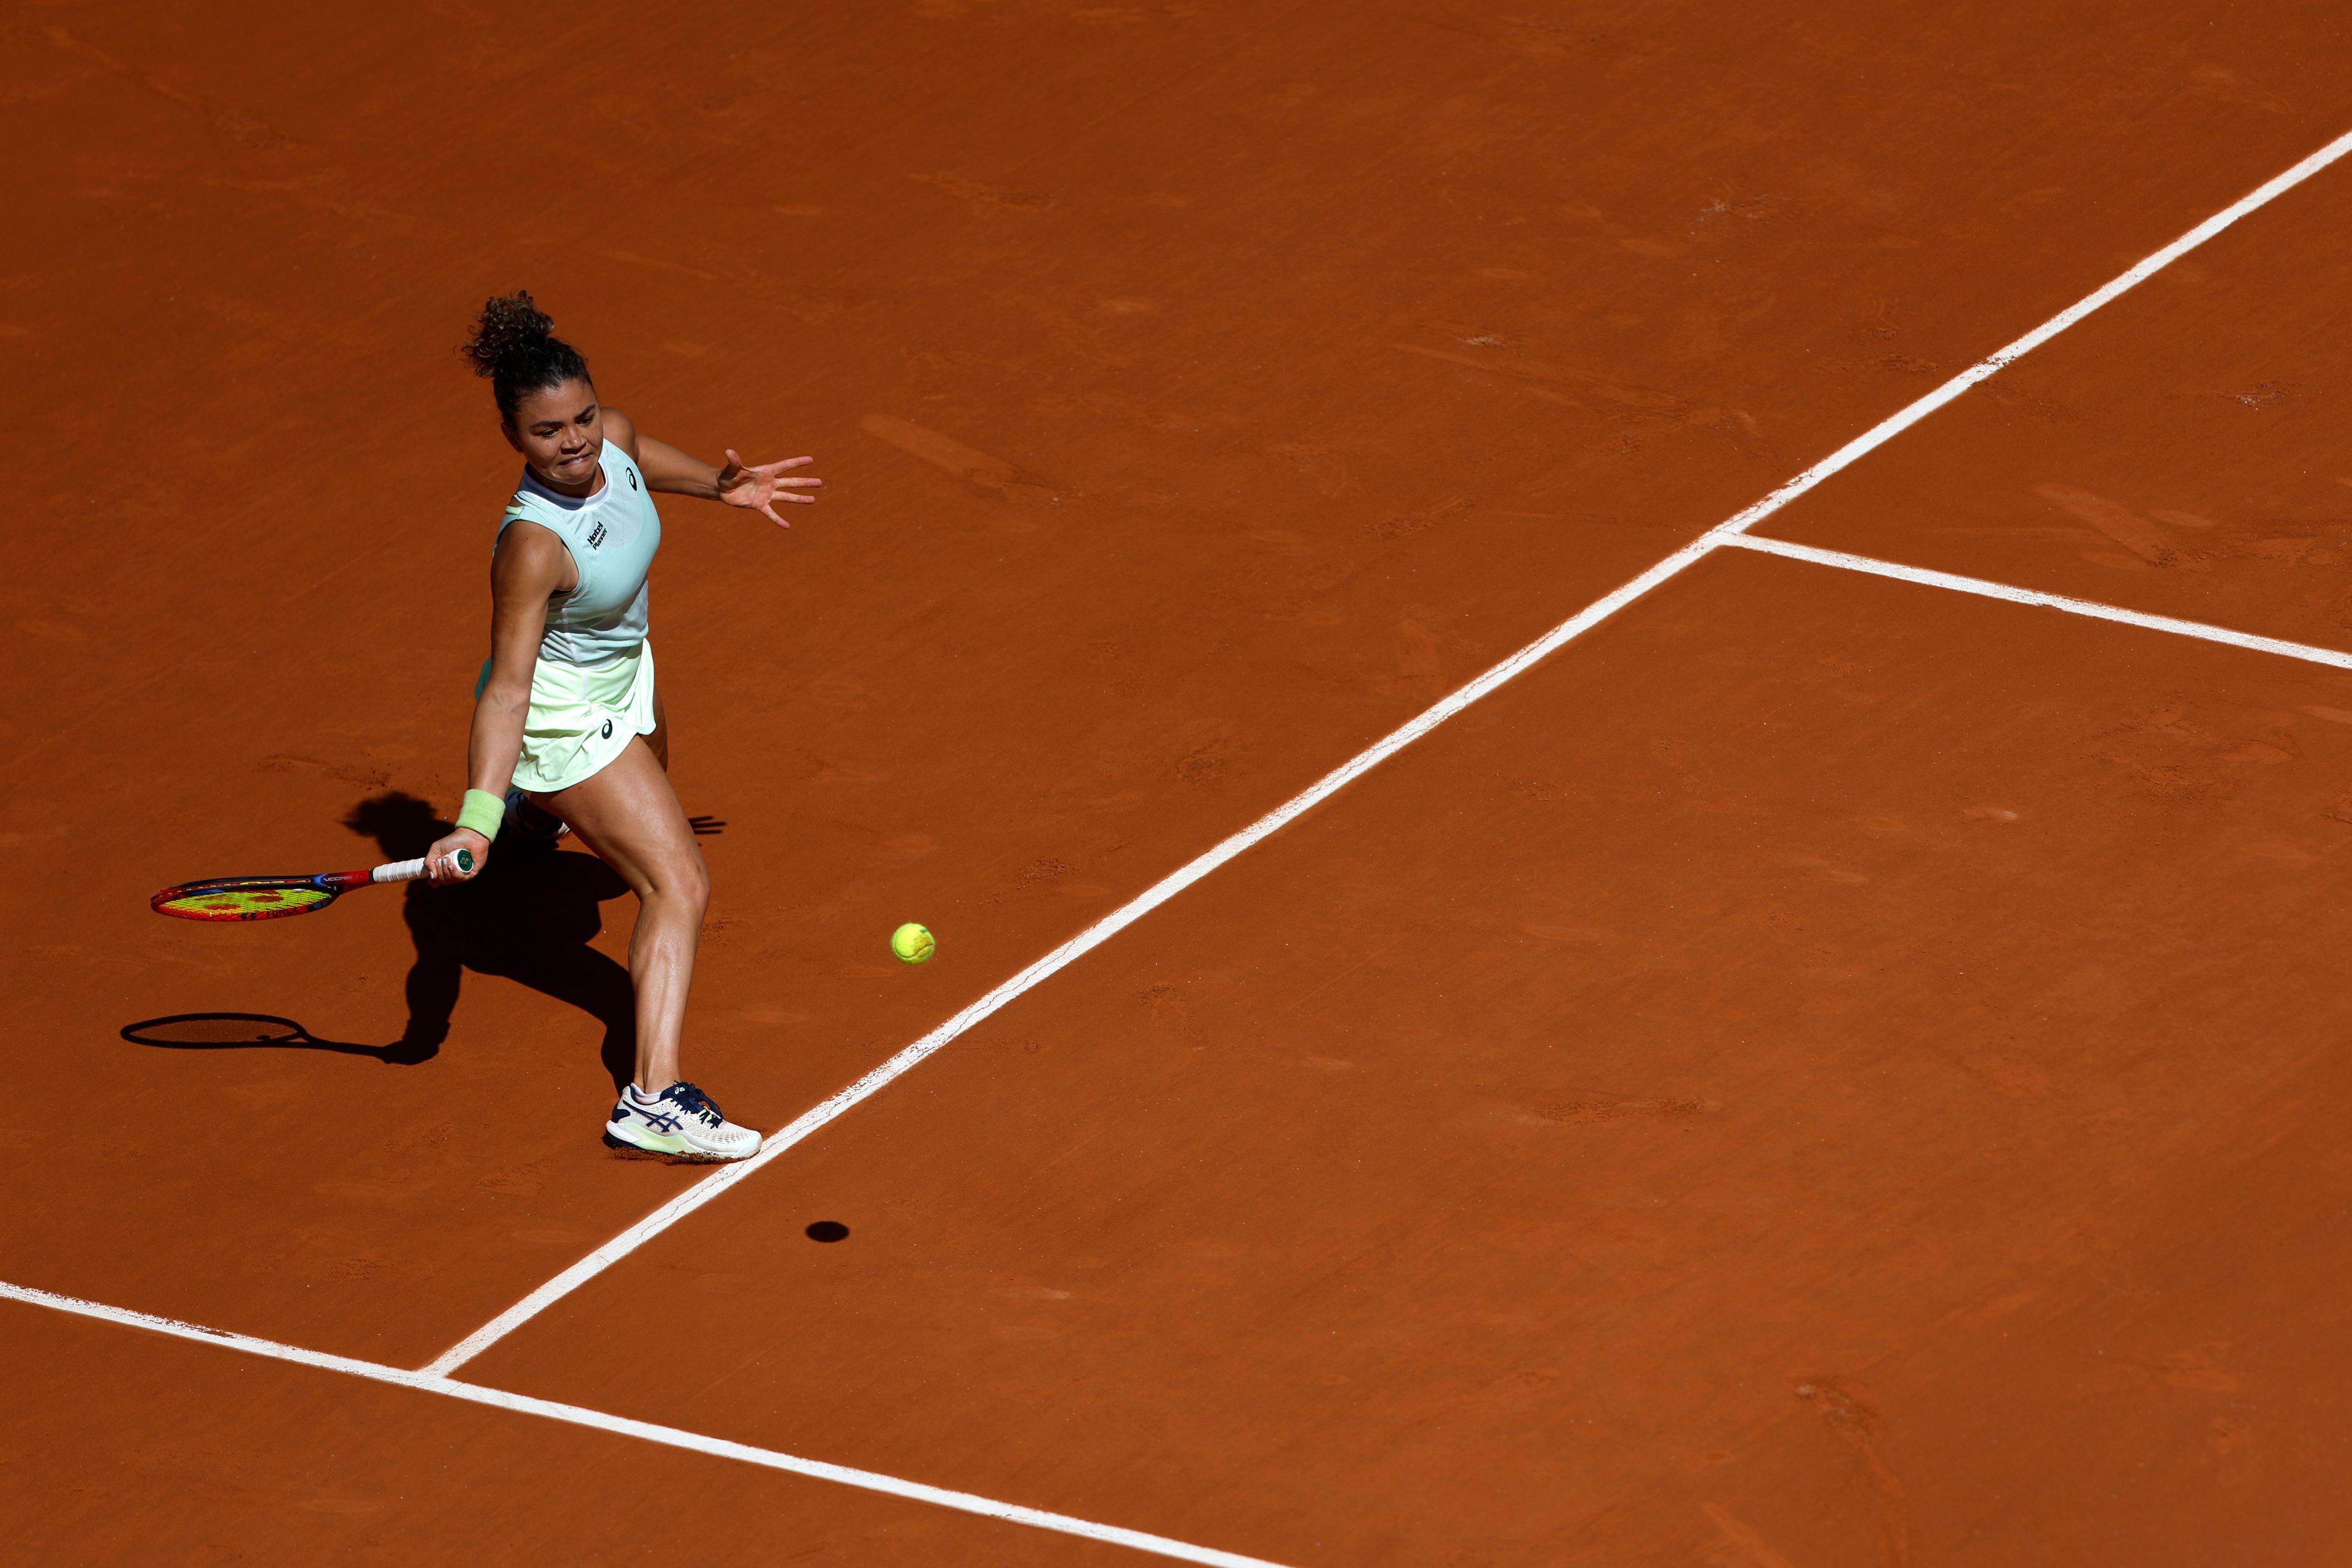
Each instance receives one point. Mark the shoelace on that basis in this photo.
(694, 1102)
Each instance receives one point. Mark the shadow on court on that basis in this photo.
(241, 1031)
(528, 918)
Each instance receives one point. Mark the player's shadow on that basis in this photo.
(528, 918)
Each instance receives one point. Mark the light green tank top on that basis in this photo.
(612, 536)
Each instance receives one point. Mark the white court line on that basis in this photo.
(669, 1436)
(1111, 925)
(2091, 607)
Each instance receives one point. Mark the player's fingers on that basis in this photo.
(800, 481)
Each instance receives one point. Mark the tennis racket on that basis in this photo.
(268, 897)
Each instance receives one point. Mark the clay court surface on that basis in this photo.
(1822, 1069)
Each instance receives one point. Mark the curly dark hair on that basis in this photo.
(514, 344)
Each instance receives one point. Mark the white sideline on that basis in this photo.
(646, 1431)
(2015, 595)
(1111, 925)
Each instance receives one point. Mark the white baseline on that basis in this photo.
(1323, 789)
(646, 1431)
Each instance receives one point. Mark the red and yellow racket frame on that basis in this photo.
(273, 898)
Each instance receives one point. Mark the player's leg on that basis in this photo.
(627, 813)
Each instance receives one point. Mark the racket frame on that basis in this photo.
(333, 884)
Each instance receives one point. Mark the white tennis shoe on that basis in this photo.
(679, 1123)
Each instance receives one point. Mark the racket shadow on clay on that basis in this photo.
(241, 1032)
(528, 918)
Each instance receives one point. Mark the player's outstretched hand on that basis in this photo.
(441, 861)
(760, 486)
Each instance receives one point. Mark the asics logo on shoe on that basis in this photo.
(661, 1122)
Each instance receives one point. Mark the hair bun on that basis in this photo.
(514, 343)
(507, 324)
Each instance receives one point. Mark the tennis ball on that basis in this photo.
(912, 944)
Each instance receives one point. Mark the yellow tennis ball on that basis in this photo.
(912, 944)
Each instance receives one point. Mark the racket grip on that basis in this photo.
(409, 870)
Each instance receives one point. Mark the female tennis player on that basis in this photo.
(568, 730)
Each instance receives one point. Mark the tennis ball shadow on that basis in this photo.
(528, 917)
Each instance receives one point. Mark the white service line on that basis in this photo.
(646, 1431)
(1111, 925)
(1921, 574)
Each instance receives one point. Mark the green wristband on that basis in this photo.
(483, 812)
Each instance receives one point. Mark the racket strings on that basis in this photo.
(244, 903)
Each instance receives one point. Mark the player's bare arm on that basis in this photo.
(756, 487)
(529, 566)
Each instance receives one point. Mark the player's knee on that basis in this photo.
(679, 881)
(688, 880)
